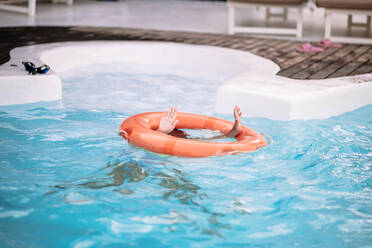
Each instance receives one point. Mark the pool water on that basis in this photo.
(68, 179)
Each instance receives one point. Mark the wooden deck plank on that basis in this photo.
(315, 63)
(252, 44)
(351, 64)
(366, 68)
(345, 70)
(261, 48)
(324, 59)
(293, 58)
(307, 65)
(284, 53)
(366, 56)
(339, 60)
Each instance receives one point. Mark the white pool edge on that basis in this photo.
(251, 84)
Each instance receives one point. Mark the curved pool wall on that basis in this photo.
(248, 80)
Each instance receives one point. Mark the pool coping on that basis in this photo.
(255, 88)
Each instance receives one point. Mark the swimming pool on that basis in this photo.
(68, 179)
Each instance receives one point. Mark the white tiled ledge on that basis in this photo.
(281, 98)
(249, 80)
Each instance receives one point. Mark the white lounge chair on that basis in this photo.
(298, 4)
(349, 8)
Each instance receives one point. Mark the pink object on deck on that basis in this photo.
(307, 47)
(329, 43)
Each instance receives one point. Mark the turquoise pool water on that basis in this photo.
(68, 179)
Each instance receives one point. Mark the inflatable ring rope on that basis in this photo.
(122, 132)
(268, 137)
(140, 130)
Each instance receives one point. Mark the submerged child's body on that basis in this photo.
(168, 122)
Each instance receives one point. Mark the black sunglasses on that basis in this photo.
(32, 69)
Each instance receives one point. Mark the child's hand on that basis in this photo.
(168, 121)
(235, 130)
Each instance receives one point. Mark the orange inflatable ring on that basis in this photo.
(140, 130)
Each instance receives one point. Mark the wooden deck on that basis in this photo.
(332, 62)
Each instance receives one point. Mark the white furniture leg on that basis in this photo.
(31, 7)
(299, 25)
(327, 31)
(231, 20)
